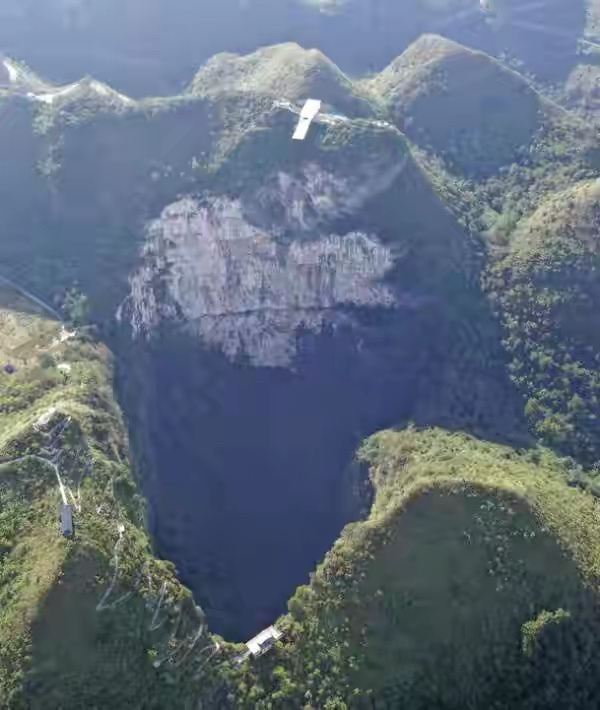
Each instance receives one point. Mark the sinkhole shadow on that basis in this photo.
(247, 470)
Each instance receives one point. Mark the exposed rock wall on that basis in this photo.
(246, 289)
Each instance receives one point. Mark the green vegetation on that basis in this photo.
(459, 104)
(284, 72)
(64, 637)
(547, 291)
(474, 556)
(353, 152)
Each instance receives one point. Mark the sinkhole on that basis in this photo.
(249, 472)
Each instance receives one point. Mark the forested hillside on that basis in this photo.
(547, 290)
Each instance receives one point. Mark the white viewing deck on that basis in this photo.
(309, 111)
(264, 641)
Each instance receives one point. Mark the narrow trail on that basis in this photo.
(102, 603)
(188, 647)
(124, 597)
(56, 454)
(153, 625)
(215, 646)
(75, 499)
(192, 644)
(4, 281)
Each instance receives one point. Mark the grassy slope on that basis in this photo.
(557, 152)
(545, 289)
(424, 603)
(491, 146)
(481, 118)
(56, 647)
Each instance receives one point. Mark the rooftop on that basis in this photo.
(310, 109)
(263, 641)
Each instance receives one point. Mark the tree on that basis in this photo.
(76, 307)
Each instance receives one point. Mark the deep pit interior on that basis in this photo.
(248, 471)
(246, 460)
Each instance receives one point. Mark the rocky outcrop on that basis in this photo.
(229, 272)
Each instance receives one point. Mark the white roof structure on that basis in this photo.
(45, 418)
(263, 641)
(310, 109)
(66, 519)
(11, 71)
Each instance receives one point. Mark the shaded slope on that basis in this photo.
(548, 290)
(435, 600)
(460, 104)
(323, 292)
(145, 154)
(490, 144)
(229, 239)
(305, 370)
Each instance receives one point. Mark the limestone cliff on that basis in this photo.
(246, 288)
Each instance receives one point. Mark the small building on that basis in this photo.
(263, 642)
(4, 73)
(66, 519)
(309, 111)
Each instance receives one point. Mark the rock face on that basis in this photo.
(240, 289)
(244, 272)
